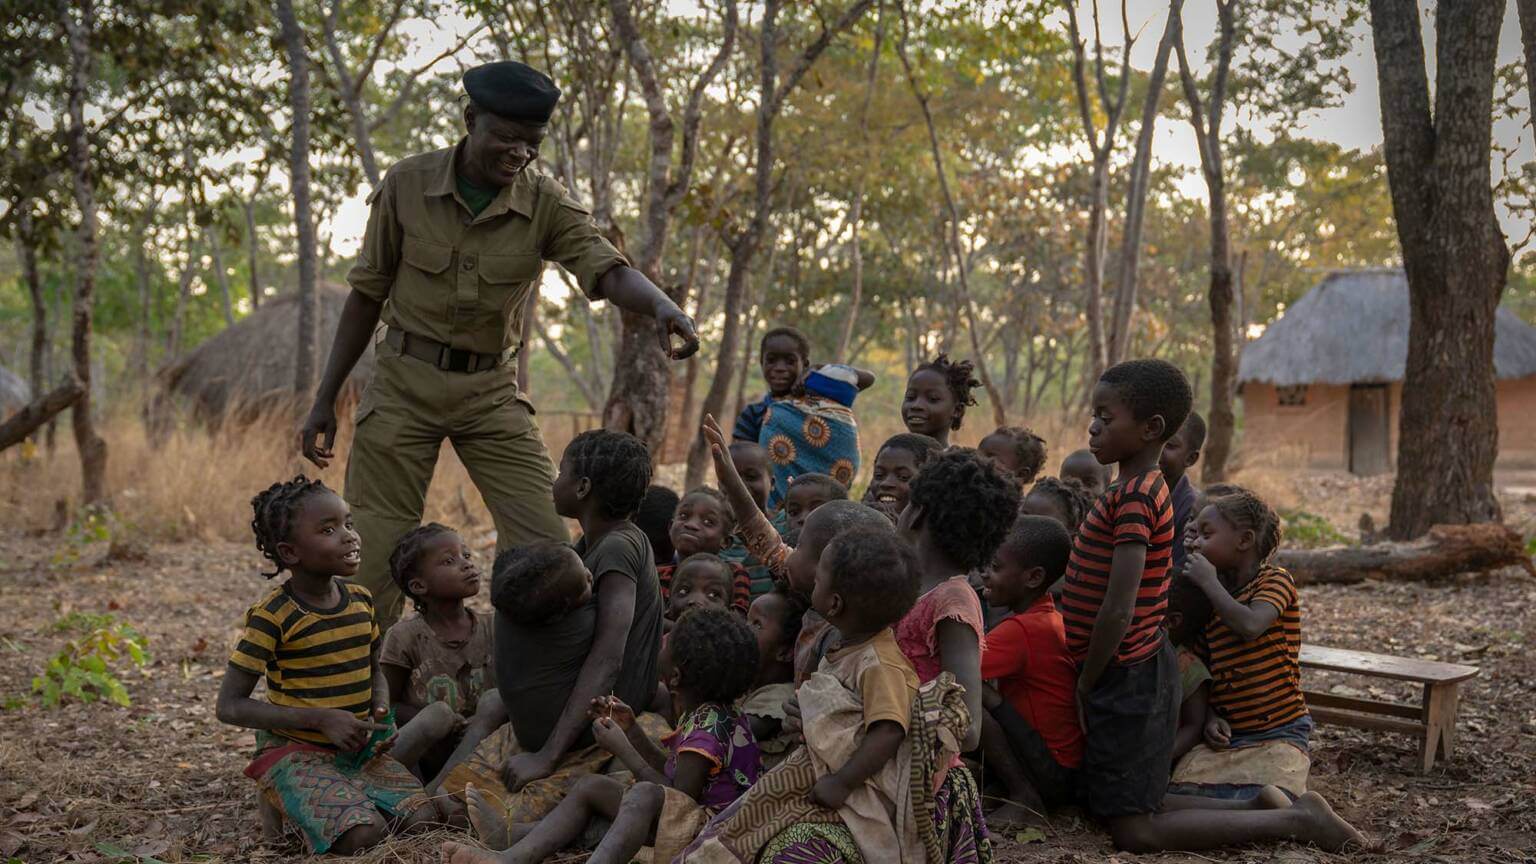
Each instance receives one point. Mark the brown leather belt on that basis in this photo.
(444, 357)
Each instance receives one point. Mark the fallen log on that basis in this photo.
(1445, 551)
(39, 411)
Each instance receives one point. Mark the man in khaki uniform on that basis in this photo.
(456, 240)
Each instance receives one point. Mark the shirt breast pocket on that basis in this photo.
(505, 279)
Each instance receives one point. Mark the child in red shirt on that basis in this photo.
(1030, 734)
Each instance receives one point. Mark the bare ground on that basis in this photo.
(161, 780)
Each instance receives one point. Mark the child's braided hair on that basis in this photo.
(1028, 449)
(1074, 497)
(960, 376)
(617, 464)
(273, 512)
(407, 554)
(1248, 511)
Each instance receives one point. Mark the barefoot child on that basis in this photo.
(896, 463)
(936, 397)
(438, 663)
(553, 658)
(703, 524)
(1030, 733)
(1016, 450)
(711, 758)
(1115, 599)
(323, 734)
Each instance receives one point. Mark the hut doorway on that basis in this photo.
(1370, 423)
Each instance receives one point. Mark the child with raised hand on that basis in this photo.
(936, 397)
(1083, 467)
(438, 663)
(1030, 733)
(711, 758)
(896, 463)
(806, 493)
(1115, 599)
(1179, 455)
(795, 567)
(1017, 450)
(324, 732)
(703, 524)
(960, 509)
(751, 462)
(776, 619)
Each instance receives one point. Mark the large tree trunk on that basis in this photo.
(744, 246)
(1527, 10)
(1206, 120)
(1136, 194)
(93, 450)
(26, 248)
(1454, 253)
(308, 337)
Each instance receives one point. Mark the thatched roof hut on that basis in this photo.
(1324, 382)
(15, 393)
(249, 367)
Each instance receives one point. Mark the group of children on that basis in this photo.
(771, 671)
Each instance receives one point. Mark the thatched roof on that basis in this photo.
(15, 393)
(1353, 328)
(250, 365)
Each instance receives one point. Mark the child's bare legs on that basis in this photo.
(1269, 798)
(360, 837)
(1309, 820)
(1024, 806)
(592, 795)
(490, 714)
(430, 725)
(489, 821)
(633, 827)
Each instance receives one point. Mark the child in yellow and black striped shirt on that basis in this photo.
(324, 731)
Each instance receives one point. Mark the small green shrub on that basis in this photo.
(83, 668)
(92, 525)
(1309, 530)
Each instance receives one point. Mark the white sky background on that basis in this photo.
(1355, 124)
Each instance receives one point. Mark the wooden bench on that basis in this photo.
(1433, 721)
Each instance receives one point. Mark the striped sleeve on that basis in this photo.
(741, 588)
(1276, 589)
(1136, 514)
(258, 642)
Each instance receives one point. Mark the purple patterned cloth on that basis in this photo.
(724, 737)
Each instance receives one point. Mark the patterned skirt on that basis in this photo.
(958, 820)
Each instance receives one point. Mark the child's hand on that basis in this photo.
(829, 792)
(345, 731)
(1202, 572)
(612, 708)
(792, 719)
(1218, 733)
(524, 768)
(719, 448)
(609, 735)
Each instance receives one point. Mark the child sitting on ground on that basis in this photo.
(1128, 685)
(751, 462)
(806, 493)
(936, 397)
(655, 519)
(1179, 455)
(710, 760)
(896, 463)
(1016, 450)
(323, 734)
(1083, 467)
(702, 580)
(1030, 733)
(813, 431)
(703, 524)
(775, 618)
(438, 663)
(1189, 611)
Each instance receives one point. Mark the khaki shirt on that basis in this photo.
(464, 280)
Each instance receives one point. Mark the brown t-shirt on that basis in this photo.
(452, 672)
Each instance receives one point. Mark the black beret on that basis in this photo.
(513, 90)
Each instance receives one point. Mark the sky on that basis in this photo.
(1354, 124)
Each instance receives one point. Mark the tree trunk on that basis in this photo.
(308, 337)
(1454, 253)
(1527, 11)
(220, 278)
(251, 247)
(1445, 551)
(179, 318)
(26, 248)
(40, 410)
(856, 214)
(142, 278)
(744, 246)
(93, 450)
(1136, 194)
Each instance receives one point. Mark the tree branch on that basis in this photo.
(42, 409)
(813, 51)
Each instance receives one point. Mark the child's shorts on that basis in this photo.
(323, 798)
(1057, 784)
(1132, 717)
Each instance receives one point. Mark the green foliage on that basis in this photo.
(83, 668)
(1530, 545)
(1309, 530)
(91, 526)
